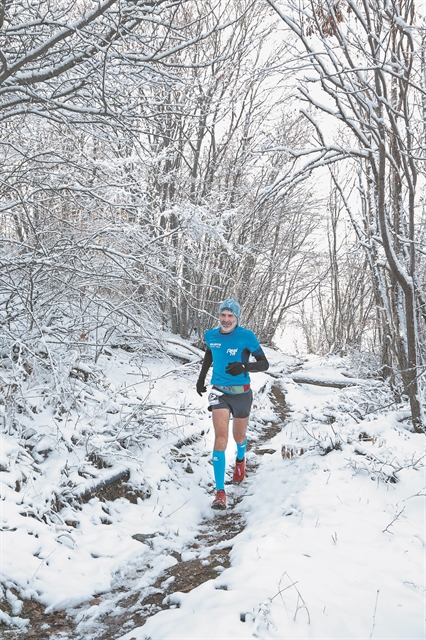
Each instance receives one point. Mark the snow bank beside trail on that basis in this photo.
(334, 544)
(64, 555)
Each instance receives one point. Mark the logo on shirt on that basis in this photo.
(215, 344)
(232, 352)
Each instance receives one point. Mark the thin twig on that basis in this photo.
(374, 614)
(182, 505)
(391, 523)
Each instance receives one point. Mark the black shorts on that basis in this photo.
(238, 405)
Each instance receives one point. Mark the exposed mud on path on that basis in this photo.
(128, 609)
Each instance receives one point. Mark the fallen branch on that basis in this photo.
(324, 382)
(85, 492)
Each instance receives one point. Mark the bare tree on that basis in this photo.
(364, 59)
(213, 138)
(72, 86)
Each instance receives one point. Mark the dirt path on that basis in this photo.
(129, 610)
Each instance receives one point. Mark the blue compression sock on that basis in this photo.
(218, 459)
(241, 450)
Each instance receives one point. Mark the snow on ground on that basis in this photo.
(334, 545)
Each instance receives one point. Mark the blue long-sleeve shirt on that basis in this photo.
(236, 346)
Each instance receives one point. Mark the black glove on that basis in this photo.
(201, 387)
(235, 368)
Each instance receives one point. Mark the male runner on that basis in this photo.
(228, 348)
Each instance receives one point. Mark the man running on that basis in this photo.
(228, 348)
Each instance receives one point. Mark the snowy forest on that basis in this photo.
(158, 157)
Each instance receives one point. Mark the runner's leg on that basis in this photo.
(239, 430)
(221, 427)
(241, 450)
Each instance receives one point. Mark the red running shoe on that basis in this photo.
(220, 501)
(239, 471)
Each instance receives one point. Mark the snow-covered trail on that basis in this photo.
(334, 536)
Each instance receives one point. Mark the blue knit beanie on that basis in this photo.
(231, 305)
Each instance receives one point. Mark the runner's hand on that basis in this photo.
(235, 368)
(201, 387)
